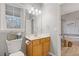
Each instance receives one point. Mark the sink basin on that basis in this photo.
(33, 37)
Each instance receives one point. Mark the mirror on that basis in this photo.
(33, 19)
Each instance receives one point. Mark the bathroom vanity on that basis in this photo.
(38, 46)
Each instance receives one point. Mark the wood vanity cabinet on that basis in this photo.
(45, 46)
(38, 47)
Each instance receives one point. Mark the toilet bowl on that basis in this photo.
(19, 53)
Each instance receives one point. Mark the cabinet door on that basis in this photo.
(45, 45)
(46, 48)
(29, 49)
(37, 48)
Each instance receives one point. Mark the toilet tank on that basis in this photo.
(14, 45)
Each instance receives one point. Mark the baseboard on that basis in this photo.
(51, 54)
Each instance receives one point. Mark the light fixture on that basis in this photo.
(33, 12)
(36, 10)
(30, 11)
(39, 11)
(32, 8)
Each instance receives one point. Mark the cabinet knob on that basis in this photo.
(28, 42)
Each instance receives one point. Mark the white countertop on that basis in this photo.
(34, 37)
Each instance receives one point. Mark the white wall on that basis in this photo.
(66, 9)
(28, 27)
(69, 7)
(51, 23)
(70, 25)
(3, 47)
(3, 34)
(2, 16)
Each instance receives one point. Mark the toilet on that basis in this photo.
(14, 47)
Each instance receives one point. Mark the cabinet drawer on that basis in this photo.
(36, 42)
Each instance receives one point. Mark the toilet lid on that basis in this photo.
(19, 53)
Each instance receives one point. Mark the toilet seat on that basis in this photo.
(19, 53)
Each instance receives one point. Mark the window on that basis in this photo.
(13, 17)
